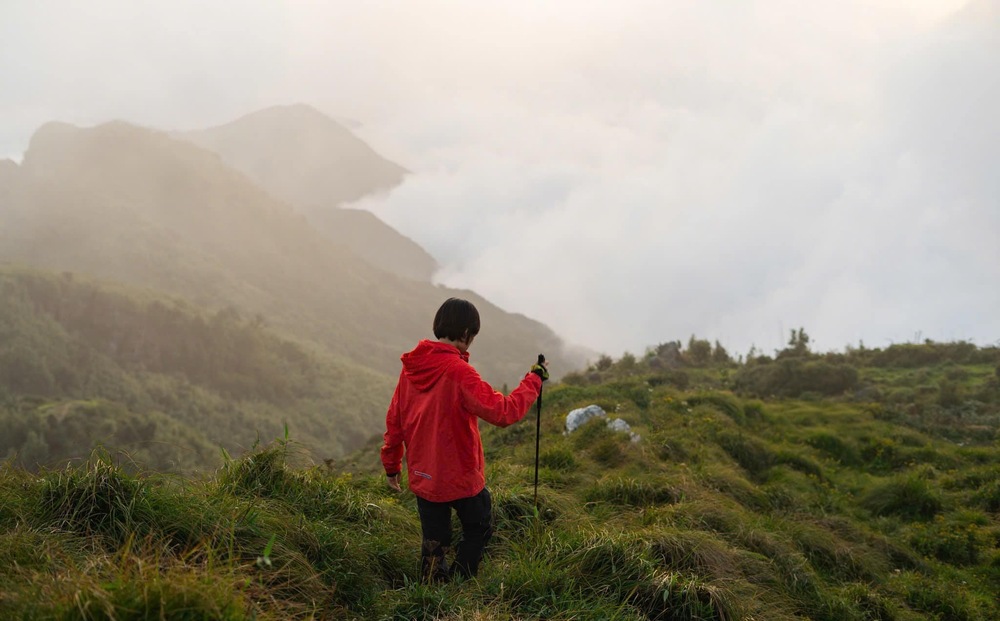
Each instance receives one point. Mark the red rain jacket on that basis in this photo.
(434, 413)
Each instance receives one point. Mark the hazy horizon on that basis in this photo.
(627, 174)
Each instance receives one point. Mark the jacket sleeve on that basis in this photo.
(479, 398)
(392, 445)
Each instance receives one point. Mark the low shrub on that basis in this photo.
(671, 377)
(792, 377)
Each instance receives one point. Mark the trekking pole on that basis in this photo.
(538, 432)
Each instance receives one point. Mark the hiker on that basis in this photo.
(435, 414)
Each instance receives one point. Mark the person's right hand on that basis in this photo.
(394, 482)
(541, 370)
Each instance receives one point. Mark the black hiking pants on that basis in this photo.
(476, 515)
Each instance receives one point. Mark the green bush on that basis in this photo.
(793, 377)
(929, 353)
(676, 378)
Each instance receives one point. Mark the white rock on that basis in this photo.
(576, 418)
(619, 425)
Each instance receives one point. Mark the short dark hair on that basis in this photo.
(457, 319)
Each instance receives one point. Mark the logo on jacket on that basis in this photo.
(422, 474)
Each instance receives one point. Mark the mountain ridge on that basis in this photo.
(136, 205)
(309, 160)
(333, 165)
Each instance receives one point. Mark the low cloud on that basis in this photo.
(628, 173)
(837, 182)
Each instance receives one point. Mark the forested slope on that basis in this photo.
(85, 363)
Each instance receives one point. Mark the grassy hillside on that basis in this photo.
(83, 363)
(728, 507)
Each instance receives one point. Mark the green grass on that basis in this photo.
(726, 509)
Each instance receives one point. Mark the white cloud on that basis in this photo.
(629, 172)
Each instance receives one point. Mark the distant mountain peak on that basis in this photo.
(293, 111)
(309, 160)
(301, 156)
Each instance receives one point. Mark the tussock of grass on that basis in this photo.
(907, 497)
(727, 404)
(751, 454)
(694, 552)
(835, 447)
(632, 492)
(838, 558)
(733, 484)
(97, 500)
(675, 596)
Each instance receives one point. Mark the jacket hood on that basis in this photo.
(428, 361)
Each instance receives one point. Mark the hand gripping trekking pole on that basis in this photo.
(538, 432)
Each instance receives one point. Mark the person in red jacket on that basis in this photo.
(434, 414)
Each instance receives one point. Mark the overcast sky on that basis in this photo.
(626, 172)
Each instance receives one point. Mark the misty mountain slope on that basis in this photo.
(305, 158)
(375, 242)
(8, 168)
(134, 205)
(135, 370)
(8, 173)
(301, 156)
